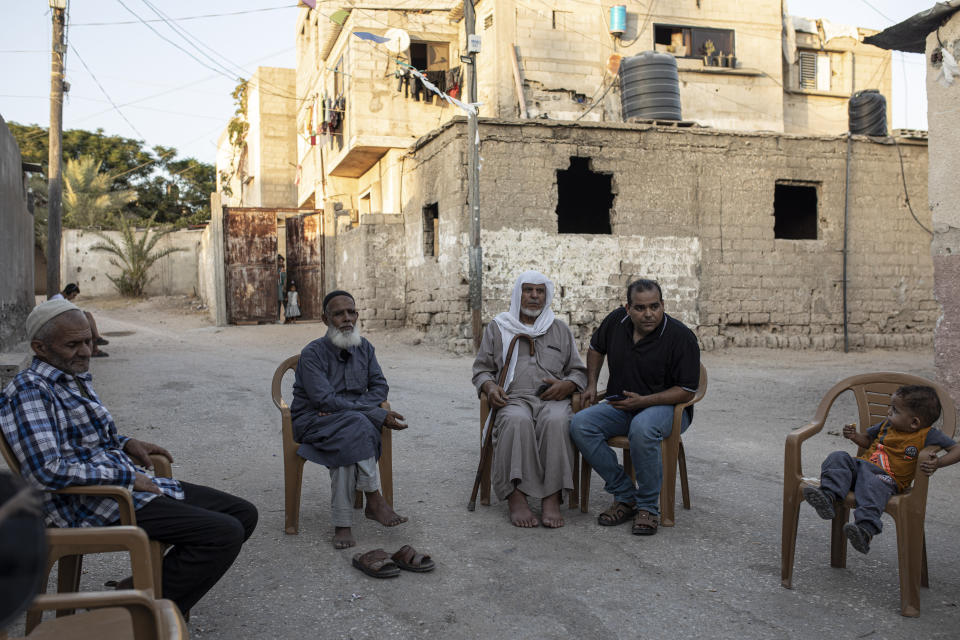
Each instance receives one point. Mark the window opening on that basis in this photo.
(488, 21)
(691, 42)
(365, 204)
(814, 70)
(431, 231)
(584, 198)
(795, 211)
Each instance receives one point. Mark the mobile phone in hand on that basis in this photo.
(541, 389)
(616, 396)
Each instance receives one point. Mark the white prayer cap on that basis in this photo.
(45, 312)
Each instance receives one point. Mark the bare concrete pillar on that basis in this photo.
(944, 195)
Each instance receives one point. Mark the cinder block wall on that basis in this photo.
(16, 244)
(368, 263)
(692, 208)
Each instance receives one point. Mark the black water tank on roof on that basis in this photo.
(868, 113)
(650, 87)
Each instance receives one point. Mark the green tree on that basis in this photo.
(88, 199)
(176, 189)
(134, 256)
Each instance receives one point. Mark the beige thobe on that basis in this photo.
(531, 439)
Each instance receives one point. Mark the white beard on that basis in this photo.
(344, 340)
(531, 313)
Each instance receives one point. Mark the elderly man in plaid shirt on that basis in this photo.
(63, 436)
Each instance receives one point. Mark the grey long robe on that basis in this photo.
(349, 385)
(532, 445)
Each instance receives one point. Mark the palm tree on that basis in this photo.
(134, 256)
(88, 200)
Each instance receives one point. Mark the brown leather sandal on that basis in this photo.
(645, 523)
(408, 559)
(617, 513)
(376, 564)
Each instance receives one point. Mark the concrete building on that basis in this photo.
(936, 33)
(746, 219)
(16, 243)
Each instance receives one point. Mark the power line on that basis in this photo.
(206, 15)
(104, 91)
(878, 12)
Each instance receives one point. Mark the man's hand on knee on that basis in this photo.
(143, 482)
(496, 396)
(394, 421)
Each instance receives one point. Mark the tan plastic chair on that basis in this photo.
(118, 615)
(293, 463)
(70, 565)
(486, 481)
(673, 456)
(872, 392)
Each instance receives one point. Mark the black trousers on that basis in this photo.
(206, 528)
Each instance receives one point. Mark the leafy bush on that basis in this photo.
(134, 256)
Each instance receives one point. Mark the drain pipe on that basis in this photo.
(846, 222)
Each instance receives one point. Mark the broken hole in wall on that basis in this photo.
(431, 235)
(584, 198)
(795, 210)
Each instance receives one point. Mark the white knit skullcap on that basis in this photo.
(45, 312)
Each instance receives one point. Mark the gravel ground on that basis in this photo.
(204, 393)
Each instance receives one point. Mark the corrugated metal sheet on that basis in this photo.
(305, 262)
(250, 264)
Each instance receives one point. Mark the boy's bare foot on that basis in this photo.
(343, 538)
(520, 514)
(380, 510)
(551, 511)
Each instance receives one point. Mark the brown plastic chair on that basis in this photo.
(70, 566)
(673, 457)
(121, 614)
(486, 481)
(293, 463)
(872, 392)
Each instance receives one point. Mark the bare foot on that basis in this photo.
(520, 514)
(551, 511)
(380, 510)
(343, 538)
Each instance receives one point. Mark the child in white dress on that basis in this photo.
(293, 303)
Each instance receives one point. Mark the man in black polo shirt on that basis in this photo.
(654, 363)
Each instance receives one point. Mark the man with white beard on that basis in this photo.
(337, 416)
(533, 455)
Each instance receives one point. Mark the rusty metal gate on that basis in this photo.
(305, 262)
(250, 264)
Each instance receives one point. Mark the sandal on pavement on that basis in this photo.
(376, 564)
(645, 523)
(617, 513)
(408, 559)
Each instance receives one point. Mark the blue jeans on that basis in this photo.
(870, 484)
(591, 428)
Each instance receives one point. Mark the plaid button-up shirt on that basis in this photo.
(63, 436)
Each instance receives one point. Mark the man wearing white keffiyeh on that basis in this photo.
(533, 454)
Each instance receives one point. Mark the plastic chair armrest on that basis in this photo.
(144, 610)
(921, 481)
(121, 494)
(161, 466)
(87, 540)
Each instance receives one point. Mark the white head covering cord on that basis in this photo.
(510, 324)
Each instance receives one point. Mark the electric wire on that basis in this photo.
(104, 91)
(206, 15)
(906, 194)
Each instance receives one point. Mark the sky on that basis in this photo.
(144, 81)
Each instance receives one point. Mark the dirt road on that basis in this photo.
(203, 392)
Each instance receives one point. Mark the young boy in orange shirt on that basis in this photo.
(888, 464)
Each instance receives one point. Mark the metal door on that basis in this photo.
(250, 264)
(305, 258)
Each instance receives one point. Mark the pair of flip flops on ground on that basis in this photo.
(644, 522)
(379, 564)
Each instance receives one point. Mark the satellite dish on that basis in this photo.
(399, 40)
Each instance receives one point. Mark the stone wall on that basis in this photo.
(176, 273)
(16, 244)
(692, 208)
(369, 259)
(944, 198)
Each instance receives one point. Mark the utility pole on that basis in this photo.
(473, 169)
(55, 158)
